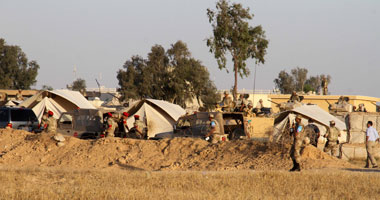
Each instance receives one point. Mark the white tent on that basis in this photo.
(160, 116)
(320, 117)
(57, 101)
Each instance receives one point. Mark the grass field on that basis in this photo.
(52, 183)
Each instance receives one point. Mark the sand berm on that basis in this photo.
(23, 149)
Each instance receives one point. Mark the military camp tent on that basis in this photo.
(160, 116)
(58, 101)
(320, 117)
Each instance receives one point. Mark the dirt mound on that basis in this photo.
(20, 148)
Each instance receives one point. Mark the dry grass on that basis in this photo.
(53, 183)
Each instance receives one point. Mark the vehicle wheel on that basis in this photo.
(235, 135)
(86, 136)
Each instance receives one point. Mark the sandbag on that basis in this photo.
(356, 122)
(357, 137)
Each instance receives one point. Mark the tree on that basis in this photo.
(15, 69)
(285, 82)
(300, 76)
(171, 75)
(232, 33)
(299, 81)
(78, 85)
(47, 87)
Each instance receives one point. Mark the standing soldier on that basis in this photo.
(43, 124)
(124, 118)
(324, 86)
(111, 126)
(371, 137)
(51, 123)
(226, 102)
(332, 135)
(139, 128)
(19, 96)
(214, 131)
(297, 131)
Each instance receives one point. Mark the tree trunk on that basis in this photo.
(236, 78)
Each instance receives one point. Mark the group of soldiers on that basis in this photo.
(240, 105)
(303, 135)
(138, 131)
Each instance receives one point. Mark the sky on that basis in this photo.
(340, 38)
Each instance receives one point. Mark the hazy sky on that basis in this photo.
(339, 37)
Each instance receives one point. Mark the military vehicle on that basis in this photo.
(81, 123)
(234, 124)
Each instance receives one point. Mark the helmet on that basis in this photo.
(109, 114)
(211, 115)
(332, 122)
(50, 113)
(226, 92)
(298, 117)
(137, 116)
(126, 114)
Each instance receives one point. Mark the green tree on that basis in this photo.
(298, 80)
(15, 69)
(232, 33)
(171, 75)
(285, 82)
(78, 85)
(47, 87)
(300, 77)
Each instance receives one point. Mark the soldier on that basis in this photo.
(371, 137)
(260, 105)
(226, 102)
(19, 96)
(324, 86)
(240, 101)
(123, 122)
(294, 97)
(361, 108)
(297, 131)
(111, 126)
(51, 123)
(139, 128)
(341, 100)
(214, 131)
(248, 112)
(332, 135)
(43, 125)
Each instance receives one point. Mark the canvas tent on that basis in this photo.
(160, 116)
(321, 119)
(58, 101)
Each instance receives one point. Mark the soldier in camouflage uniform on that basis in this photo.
(43, 125)
(332, 135)
(297, 131)
(294, 97)
(51, 123)
(214, 131)
(111, 126)
(139, 129)
(227, 103)
(123, 122)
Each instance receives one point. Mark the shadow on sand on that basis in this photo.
(362, 170)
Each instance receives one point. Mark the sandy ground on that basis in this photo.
(24, 149)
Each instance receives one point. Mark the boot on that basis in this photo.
(298, 167)
(294, 166)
